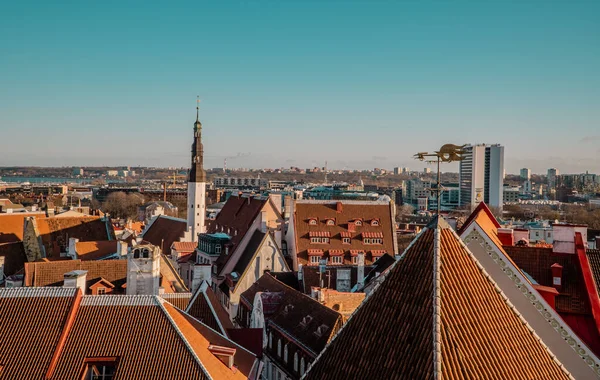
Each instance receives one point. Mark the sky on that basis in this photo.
(299, 83)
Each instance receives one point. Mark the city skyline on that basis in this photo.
(298, 85)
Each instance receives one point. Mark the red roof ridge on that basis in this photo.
(480, 207)
(65, 333)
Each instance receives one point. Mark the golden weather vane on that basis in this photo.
(447, 153)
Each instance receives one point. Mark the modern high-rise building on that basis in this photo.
(525, 174)
(552, 176)
(196, 195)
(481, 175)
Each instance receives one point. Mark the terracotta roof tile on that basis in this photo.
(593, 256)
(57, 231)
(179, 300)
(206, 308)
(480, 336)
(51, 273)
(94, 250)
(164, 231)
(349, 212)
(185, 246)
(12, 225)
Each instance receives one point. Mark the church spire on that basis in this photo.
(197, 173)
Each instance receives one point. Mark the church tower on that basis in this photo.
(196, 195)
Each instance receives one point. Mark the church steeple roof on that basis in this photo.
(197, 173)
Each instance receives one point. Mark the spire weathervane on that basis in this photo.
(198, 108)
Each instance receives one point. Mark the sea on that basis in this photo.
(51, 180)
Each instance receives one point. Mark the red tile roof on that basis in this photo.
(288, 321)
(206, 308)
(344, 216)
(11, 226)
(185, 246)
(436, 314)
(164, 231)
(94, 250)
(136, 330)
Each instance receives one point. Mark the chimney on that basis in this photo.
(520, 234)
(287, 206)
(71, 251)
(200, 272)
(339, 207)
(360, 277)
(2, 268)
(564, 237)
(122, 249)
(263, 221)
(76, 279)
(557, 270)
(506, 236)
(224, 354)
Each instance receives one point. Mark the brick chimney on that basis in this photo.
(506, 236)
(557, 271)
(339, 207)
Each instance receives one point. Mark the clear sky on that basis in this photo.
(297, 83)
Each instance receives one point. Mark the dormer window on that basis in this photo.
(346, 240)
(305, 321)
(375, 222)
(330, 222)
(218, 248)
(321, 330)
(312, 221)
(358, 222)
(100, 368)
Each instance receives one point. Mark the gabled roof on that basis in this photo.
(205, 307)
(344, 213)
(149, 337)
(85, 228)
(164, 231)
(249, 252)
(481, 208)
(288, 319)
(436, 314)
(235, 219)
(185, 246)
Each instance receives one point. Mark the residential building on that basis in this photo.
(546, 284)
(196, 189)
(152, 209)
(427, 171)
(296, 327)
(425, 324)
(481, 174)
(91, 337)
(335, 232)
(552, 177)
(243, 182)
(525, 174)
(415, 189)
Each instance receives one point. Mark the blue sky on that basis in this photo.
(357, 84)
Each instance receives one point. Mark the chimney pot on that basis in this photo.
(557, 270)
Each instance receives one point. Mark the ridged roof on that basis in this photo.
(50, 332)
(437, 313)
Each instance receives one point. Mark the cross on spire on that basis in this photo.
(198, 108)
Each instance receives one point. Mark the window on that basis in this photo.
(312, 222)
(346, 240)
(285, 353)
(358, 223)
(271, 340)
(354, 259)
(302, 366)
(337, 259)
(376, 241)
(218, 248)
(325, 240)
(315, 240)
(100, 368)
(279, 347)
(366, 241)
(374, 222)
(314, 260)
(101, 291)
(330, 222)
(295, 362)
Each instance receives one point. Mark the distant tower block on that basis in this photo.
(196, 196)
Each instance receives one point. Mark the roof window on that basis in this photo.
(322, 329)
(305, 321)
(100, 368)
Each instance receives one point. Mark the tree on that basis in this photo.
(121, 205)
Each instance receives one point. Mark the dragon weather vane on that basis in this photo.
(447, 153)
